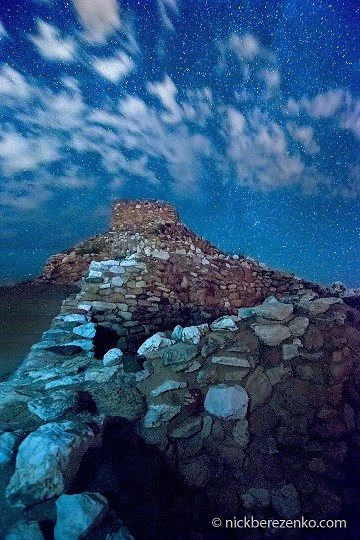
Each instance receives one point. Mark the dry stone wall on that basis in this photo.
(255, 413)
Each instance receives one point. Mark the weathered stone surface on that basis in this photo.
(53, 405)
(78, 514)
(47, 461)
(313, 338)
(25, 530)
(94, 276)
(194, 333)
(224, 323)
(168, 385)
(286, 501)
(102, 374)
(8, 444)
(277, 373)
(187, 428)
(159, 415)
(196, 472)
(273, 309)
(227, 402)
(290, 350)
(271, 334)
(179, 353)
(155, 342)
(246, 313)
(258, 387)
(256, 498)
(87, 330)
(240, 432)
(231, 361)
(122, 533)
(207, 376)
(298, 326)
(319, 305)
(113, 357)
(118, 399)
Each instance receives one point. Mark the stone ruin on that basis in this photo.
(247, 406)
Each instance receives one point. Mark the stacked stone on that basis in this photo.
(254, 408)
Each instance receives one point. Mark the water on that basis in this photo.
(26, 311)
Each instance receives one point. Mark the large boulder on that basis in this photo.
(77, 514)
(25, 530)
(271, 334)
(118, 399)
(54, 404)
(47, 462)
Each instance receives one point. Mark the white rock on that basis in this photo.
(158, 254)
(85, 344)
(191, 333)
(87, 331)
(224, 323)
(53, 405)
(155, 342)
(25, 530)
(298, 326)
(94, 276)
(271, 334)
(158, 415)
(245, 312)
(166, 386)
(177, 333)
(117, 269)
(65, 381)
(84, 307)
(74, 317)
(95, 265)
(273, 309)
(117, 281)
(113, 357)
(320, 305)
(227, 402)
(8, 444)
(101, 374)
(47, 462)
(231, 361)
(78, 514)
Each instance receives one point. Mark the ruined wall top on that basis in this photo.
(141, 215)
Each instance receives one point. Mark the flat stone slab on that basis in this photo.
(159, 415)
(168, 385)
(231, 361)
(271, 334)
(273, 309)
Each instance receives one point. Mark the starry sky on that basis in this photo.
(245, 114)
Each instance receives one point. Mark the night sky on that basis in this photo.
(246, 115)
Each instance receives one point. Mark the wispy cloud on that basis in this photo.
(167, 9)
(115, 68)
(100, 18)
(52, 45)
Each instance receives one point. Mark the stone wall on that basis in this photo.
(155, 289)
(254, 414)
(141, 215)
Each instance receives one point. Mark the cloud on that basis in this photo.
(246, 47)
(51, 45)
(166, 92)
(100, 18)
(305, 136)
(21, 153)
(116, 68)
(13, 85)
(323, 105)
(3, 32)
(350, 119)
(164, 7)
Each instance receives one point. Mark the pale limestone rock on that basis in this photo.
(246, 313)
(116, 269)
(102, 374)
(155, 342)
(9, 442)
(271, 334)
(166, 386)
(25, 530)
(65, 381)
(224, 323)
(53, 405)
(227, 402)
(298, 326)
(273, 309)
(94, 276)
(113, 357)
(117, 281)
(290, 350)
(231, 361)
(179, 353)
(78, 514)
(47, 461)
(158, 415)
(73, 317)
(87, 331)
(177, 333)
